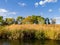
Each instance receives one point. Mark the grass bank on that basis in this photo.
(30, 31)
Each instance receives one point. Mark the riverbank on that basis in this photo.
(28, 42)
(30, 31)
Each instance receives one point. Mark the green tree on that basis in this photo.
(1, 20)
(19, 19)
(10, 21)
(40, 19)
(47, 21)
(34, 18)
(28, 20)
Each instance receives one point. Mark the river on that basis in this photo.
(28, 42)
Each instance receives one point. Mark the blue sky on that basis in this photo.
(44, 8)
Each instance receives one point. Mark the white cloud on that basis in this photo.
(4, 12)
(43, 2)
(36, 4)
(46, 1)
(22, 4)
(50, 10)
(51, 0)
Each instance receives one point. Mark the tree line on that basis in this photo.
(26, 20)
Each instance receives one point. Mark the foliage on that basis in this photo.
(40, 20)
(40, 35)
(9, 21)
(47, 21)
(1, 20)
(19, 19)
(33, 20)
(27, 20)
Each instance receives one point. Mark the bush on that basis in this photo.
(15, 34)
(40, 35)
(29, 34)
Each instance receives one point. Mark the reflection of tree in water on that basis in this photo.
(4, 42)
(51, 42)
(58, 42)
(29, 42)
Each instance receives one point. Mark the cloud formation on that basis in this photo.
(46, 1)
(4, 12)
(43, 2)
(22, 4)
(36, 4)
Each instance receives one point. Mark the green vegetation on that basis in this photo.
(27, 20)
(30, 27)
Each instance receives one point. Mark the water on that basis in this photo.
(29, 42)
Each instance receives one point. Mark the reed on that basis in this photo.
(30, 31)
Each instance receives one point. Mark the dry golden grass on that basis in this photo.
(34, 26)
(14, 31)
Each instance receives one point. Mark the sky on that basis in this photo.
(44, 8)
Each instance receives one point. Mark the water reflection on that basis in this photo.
(28, 42)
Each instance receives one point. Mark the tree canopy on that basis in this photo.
(25, 20)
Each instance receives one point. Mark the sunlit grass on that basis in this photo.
(36, 31)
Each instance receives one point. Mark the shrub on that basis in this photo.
(29, 34)
(50, 34)
(40, 35)
(15, 34)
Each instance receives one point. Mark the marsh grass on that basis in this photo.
(30, 31)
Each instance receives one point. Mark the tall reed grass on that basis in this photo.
(30, 31)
